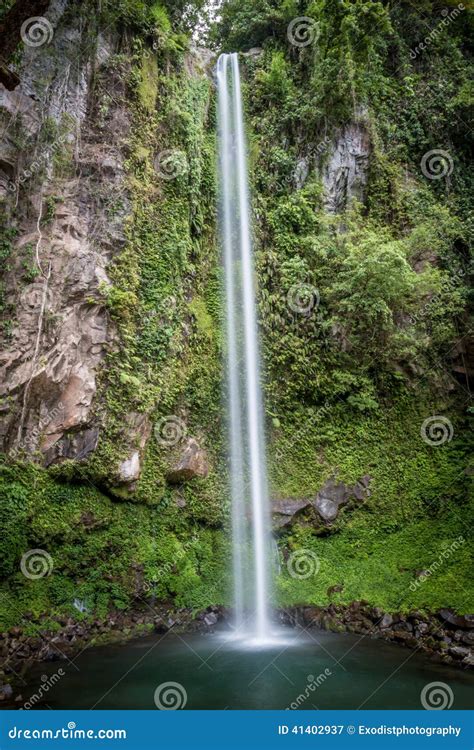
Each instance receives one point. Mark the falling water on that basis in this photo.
(251, 542)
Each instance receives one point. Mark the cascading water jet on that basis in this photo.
(249, 490)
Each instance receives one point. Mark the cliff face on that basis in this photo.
(68, 201)
(110, 368)
(59, 178)
(110, 313)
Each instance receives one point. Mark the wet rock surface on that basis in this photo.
(59, 639)
(286, 511)
(430, 633)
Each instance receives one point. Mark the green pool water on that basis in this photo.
(319, 670)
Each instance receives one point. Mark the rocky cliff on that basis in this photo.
(59, 178)
(109, 292)
(113, 474)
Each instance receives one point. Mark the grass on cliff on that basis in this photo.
(417, 509)
(380, 566)
(105, 553)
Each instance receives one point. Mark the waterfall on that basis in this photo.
(249, 491)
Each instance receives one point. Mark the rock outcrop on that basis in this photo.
(191, 464)
(137, 428)
(345, 171)
(322, 510)
(286, 511)
(432, 634)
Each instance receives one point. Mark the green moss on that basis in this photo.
(114, 552)
(349, 384)
(169, 257)
(148, 87)
(379, 566)
(416, 508)
(13, 516)
(204, 322)
(103, 553)
(7, 235)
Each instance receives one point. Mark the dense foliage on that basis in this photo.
(384, 282)
(348, 383)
